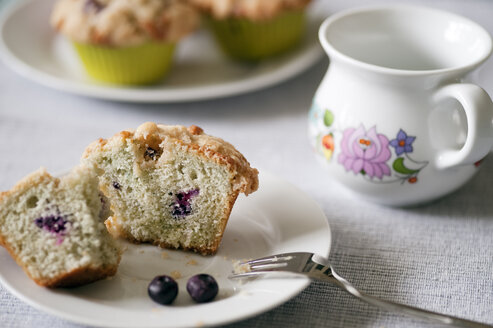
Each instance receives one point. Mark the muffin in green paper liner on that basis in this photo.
(252, 30)
(125, 42)
(248, 40)
(142, 64)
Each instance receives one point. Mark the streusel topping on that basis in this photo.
(251, 9)
(124, 22)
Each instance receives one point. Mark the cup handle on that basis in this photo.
(478, 107)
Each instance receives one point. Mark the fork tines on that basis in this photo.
(279, 262)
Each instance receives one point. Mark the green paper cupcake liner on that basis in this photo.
(250, 40)
(136, 65)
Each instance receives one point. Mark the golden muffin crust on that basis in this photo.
(193, 137)
(251, 9)
(124, 22)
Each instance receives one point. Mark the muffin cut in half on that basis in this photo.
(171, 186)
(54, 229)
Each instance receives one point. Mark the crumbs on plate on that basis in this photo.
(241, 266)
(176, 274)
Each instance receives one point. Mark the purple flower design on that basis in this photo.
(403, 143)
(365, 152)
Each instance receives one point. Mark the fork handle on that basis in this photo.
(421, 313)
(342, 283)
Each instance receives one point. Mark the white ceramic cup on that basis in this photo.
(395, 119)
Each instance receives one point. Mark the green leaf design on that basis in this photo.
(399, 167)
(328, 118)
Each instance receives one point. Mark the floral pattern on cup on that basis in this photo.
(402, 143)
(321, 123)
(365, 152)
(328, 146)
(403, 147)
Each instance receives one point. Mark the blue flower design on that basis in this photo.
(402, 143)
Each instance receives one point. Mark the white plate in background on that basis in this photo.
(277, 218)
(33, 49)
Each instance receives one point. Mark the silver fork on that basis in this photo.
(311, 265)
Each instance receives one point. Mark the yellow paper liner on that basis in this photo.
(249, 40)
(137, 65)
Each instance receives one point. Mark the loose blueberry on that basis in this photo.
(163, 290)
(116, 185)
(202, 288)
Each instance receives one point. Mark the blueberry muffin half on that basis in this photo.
(171, 186)
(54, 229)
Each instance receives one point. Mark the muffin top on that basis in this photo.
(124, 22)
(193, 138)
(250, 9)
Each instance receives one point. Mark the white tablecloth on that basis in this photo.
(439, 256)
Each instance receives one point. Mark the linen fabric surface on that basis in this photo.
(438, 256)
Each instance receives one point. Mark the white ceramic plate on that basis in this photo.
(30, 47)
(277, 218)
